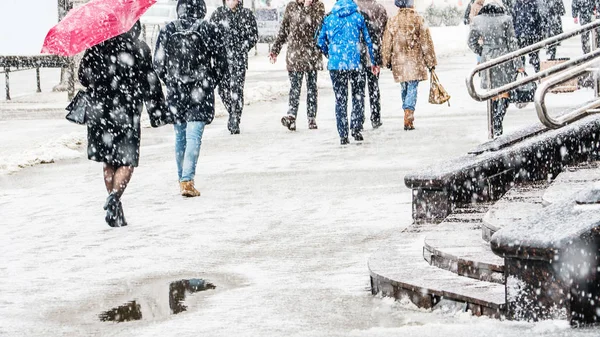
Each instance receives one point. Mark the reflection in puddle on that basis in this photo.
(127, 312)
(178, 290)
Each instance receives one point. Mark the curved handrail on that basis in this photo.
(576, 114)
(470, 81)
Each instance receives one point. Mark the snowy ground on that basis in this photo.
(284, 226)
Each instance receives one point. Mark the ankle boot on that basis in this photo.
(120, 222)
(111, 207)
(409, 118)
(188, 189)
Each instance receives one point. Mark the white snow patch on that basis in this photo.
(65, 147)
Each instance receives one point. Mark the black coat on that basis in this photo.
(192, 102)
(240, 31)
(551, 12)
(584, 9)
(119, 76)
(528, 22)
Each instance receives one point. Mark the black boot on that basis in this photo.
(357, 136)
(121, 222)
(344, 141)
(234, 124)
(111, 207)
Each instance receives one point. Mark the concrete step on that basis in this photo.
(465, 253)
(572, 180)
(517, 204)
(398, 270)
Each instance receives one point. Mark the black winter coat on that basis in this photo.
(551, 12)
(528, 22)
(584, 10)
(240, 31)
(192, 102)
(119, 76)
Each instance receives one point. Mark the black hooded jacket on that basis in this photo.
(192, 102)
(119, 76)
(239, 30)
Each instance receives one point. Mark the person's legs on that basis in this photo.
(116, 180)
(180, 146)
(374, 99)
(498, 113)
(295, 90)
(312, 95)
(192, 152)
(534, 60)
(225, 91)
(409, 102)
(193, 141)
(109, 175)
(551, 52)
(238, 80)
(121, 180)
(339, 80)
(357, 118)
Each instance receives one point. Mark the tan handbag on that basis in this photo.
(437, 93)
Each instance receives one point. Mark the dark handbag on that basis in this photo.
(79, 108)
(524, 93)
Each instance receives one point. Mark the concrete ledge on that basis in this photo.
(438, 189)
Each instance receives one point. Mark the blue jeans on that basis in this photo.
(339, 79)
(409, 95)
(188, 139)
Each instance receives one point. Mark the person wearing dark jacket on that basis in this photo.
(376, 20)
(493, 35)
(551, 12)
(240, 32)
(301, 22)
(583, 13)
(340, 38)
(529, 28)
(190, 59)
(119, 77)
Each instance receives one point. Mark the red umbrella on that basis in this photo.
(94, 22)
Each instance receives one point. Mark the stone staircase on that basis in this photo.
(453, 260)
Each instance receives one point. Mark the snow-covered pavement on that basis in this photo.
(284, 226)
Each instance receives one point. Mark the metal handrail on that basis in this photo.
(524, 51)
(580, 112)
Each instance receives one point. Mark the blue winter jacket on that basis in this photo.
(341, 35)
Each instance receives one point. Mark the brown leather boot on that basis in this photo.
(409, 117)
(188, 189)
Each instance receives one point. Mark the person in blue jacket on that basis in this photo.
(340, 39)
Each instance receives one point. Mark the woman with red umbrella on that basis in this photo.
(120, 79)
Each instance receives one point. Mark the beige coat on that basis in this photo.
(407, 46)
(475, 8)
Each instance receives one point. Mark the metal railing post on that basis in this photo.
(38, 80)
(490, 106)
(7, 79)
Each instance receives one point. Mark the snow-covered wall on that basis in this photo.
(24, 24)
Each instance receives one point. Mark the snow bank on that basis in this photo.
(65, 147)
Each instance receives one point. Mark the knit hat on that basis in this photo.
(404, 3)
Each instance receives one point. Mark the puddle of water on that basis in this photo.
(130, 311)
(178, 291)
